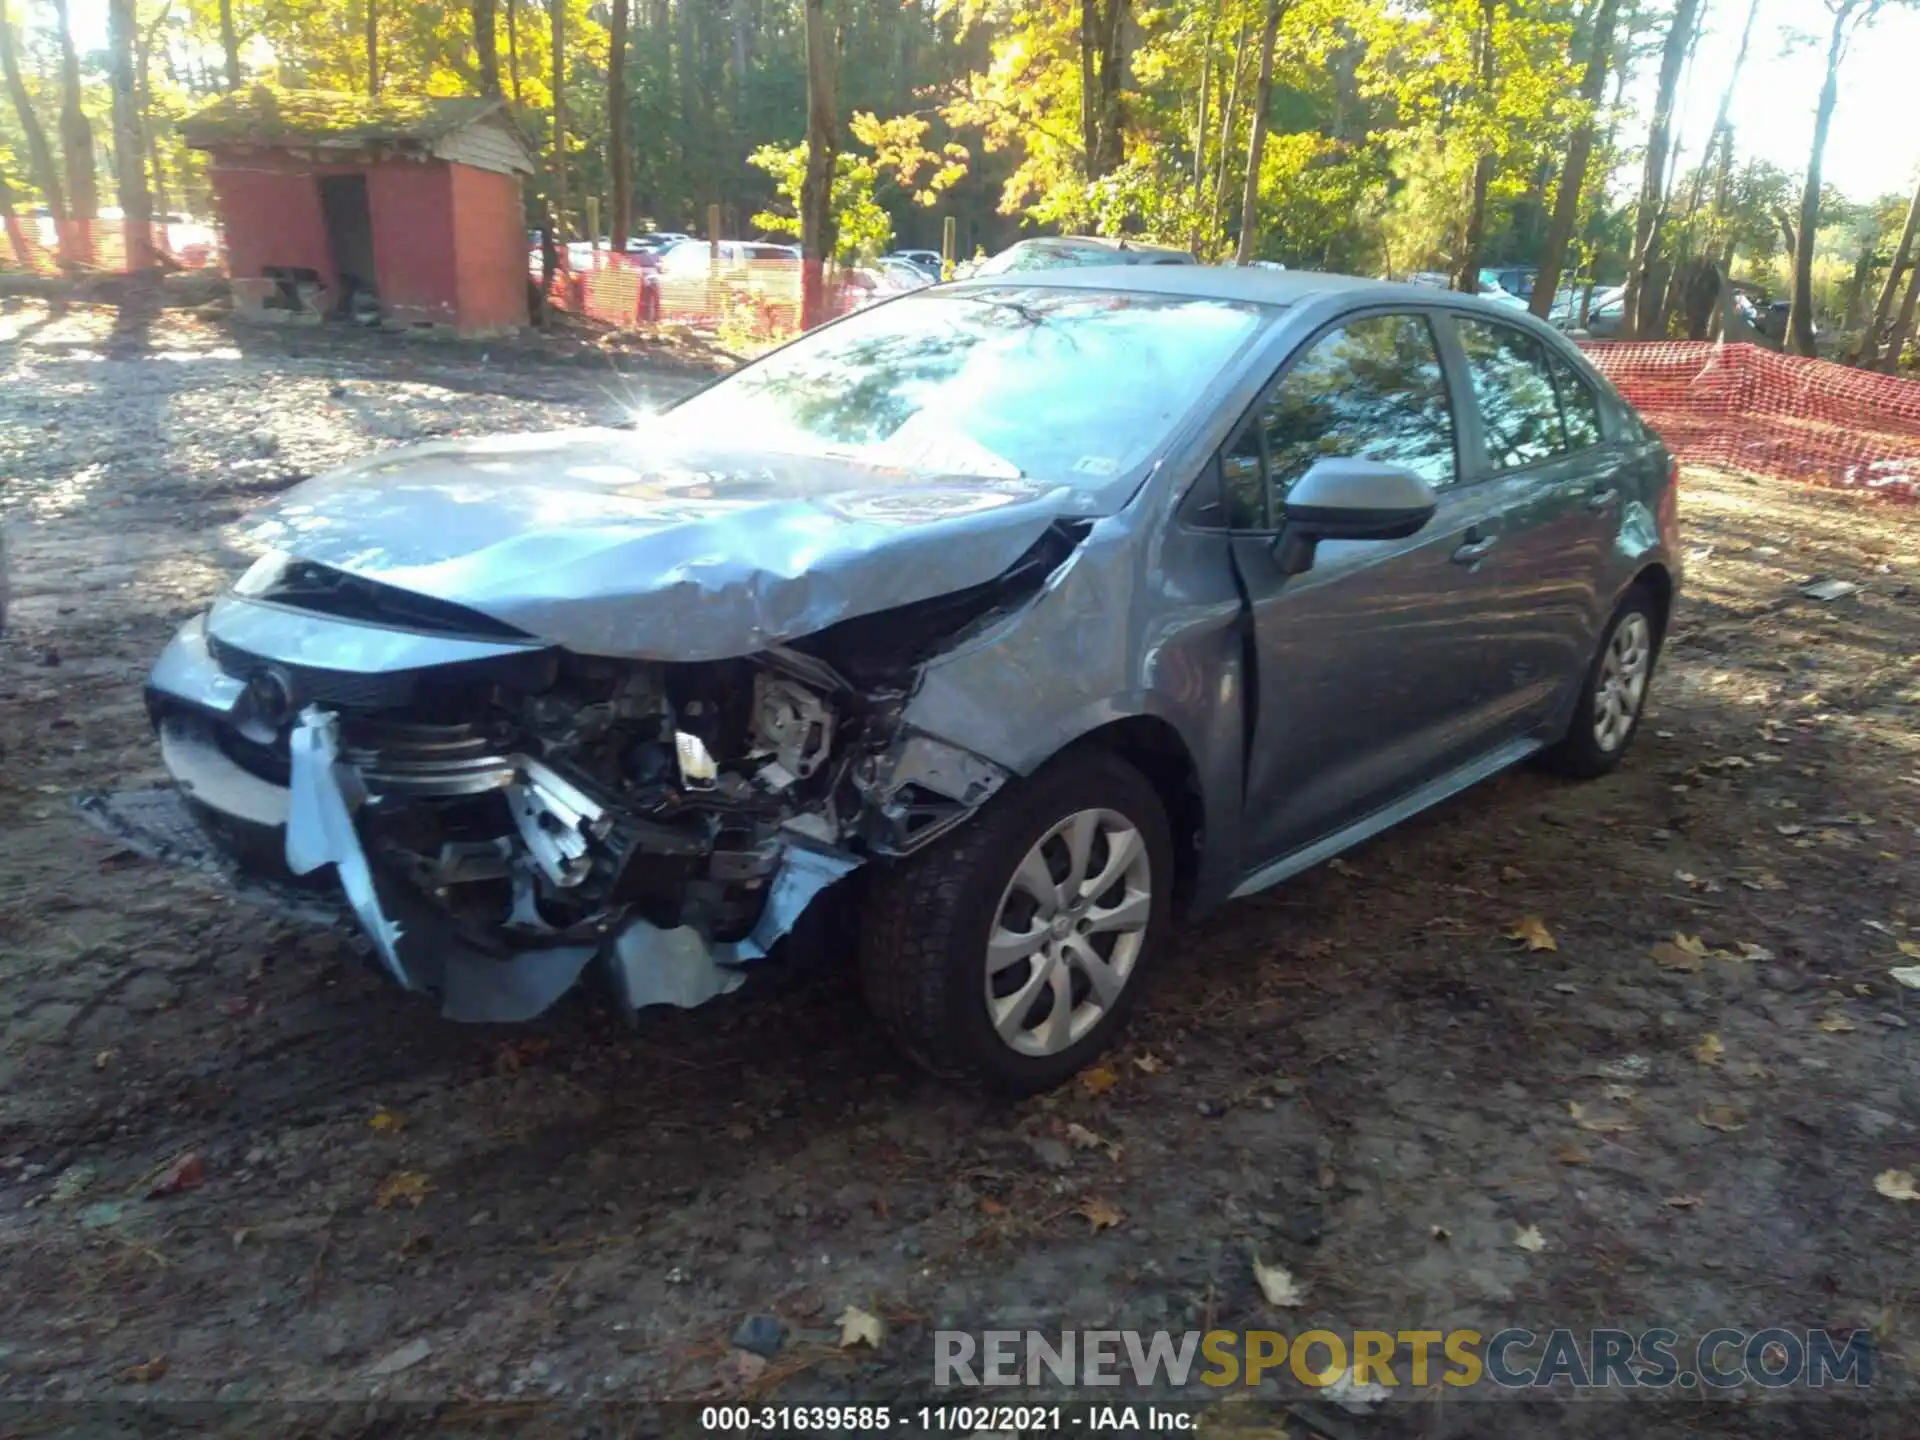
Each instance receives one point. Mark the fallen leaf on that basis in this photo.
(1683, 952)
(1907, 975)
(1754, 952)
(1834, 1023)
(1709, 1051)
(385, 1120)
(1908, 948)
(1533, 932)
(1341, 867)
(146, 1372)
(1278, 1285)
(1100, 1214)
(405, 1358)
(991, 1206)
(1531, 1240)
(407, 1187)
(1724, 1118)
(1568, 1153)
(1683, 1202)
(1149, 1064)
(1081, 1138)
(186, 1173)
(1790, 829)
(1598, 1124)
(857, 1327)
(103, 1059)
(1099, 1079)
(1765, 880)
(1897, 1185)
(1511, 876)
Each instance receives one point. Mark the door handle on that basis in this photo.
(1601, 499)
(1475, 550)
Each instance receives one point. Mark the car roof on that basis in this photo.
(1219, 282)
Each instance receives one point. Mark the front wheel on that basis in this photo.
(1006, 955)
(1614, 693)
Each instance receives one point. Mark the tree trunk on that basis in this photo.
(143, 96)
(513, 48)
(557, 9)
(1200, 126)
(1800, 303)
(16, 233)
(816, 185)
(1573, 175)
(1721, 136)
(372, 40)
(617, 166)
(76, 144)
(1228, 115)
(693, 110)
(40, 161)
(1257, 137)
(486, 45)
(1102, 61)
(129, 157)
(1647, 217)
(737, 34)
(230, 44)
(1902, 255)
(1902, 327)
(1467, 276)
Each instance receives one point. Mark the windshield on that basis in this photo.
(1046, 256)
(1072, 386)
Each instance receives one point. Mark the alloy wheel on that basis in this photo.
(1068, 932)
(1623, 681)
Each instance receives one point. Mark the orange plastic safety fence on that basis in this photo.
(1748, 408)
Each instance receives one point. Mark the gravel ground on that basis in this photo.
(234, 1165)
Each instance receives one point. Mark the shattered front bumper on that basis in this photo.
(273, 844)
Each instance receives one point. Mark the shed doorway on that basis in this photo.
(349, 222)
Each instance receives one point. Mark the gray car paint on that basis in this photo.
(1153, 620)
(614, 543)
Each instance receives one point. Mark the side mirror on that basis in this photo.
(1344, 499)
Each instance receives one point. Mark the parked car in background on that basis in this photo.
(1052, 252)
(655, 241)
(927, 260)
(1515, 280)
(1019, 618)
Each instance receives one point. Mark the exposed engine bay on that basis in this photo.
(497, 823)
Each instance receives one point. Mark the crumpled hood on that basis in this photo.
(614, 543)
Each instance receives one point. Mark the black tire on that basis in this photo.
(923, 940)
(1579, 755)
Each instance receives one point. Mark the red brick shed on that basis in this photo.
(333, 203)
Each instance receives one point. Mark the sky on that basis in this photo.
(1874, 145)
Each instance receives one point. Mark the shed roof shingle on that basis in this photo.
(263, 115)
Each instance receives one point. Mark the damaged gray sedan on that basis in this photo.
(1016, 617)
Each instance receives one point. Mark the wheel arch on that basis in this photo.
(1657, 580)
(1157, 750)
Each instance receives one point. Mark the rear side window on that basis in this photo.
(1579, 411)
(1372, 390)
(1519, 407)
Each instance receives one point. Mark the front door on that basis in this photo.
(1370, 674)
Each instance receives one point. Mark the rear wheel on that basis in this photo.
(1007, 955)
(1607, 714)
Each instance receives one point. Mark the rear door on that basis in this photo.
(1369, 680)
(1539, 443)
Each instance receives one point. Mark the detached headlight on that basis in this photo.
(264, 574)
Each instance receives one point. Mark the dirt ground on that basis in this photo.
(1359, 1076)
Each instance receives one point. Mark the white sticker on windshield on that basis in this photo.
(1096, 465)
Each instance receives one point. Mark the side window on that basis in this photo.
(1371, 390)
(1519, 409)
(1579, 411)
